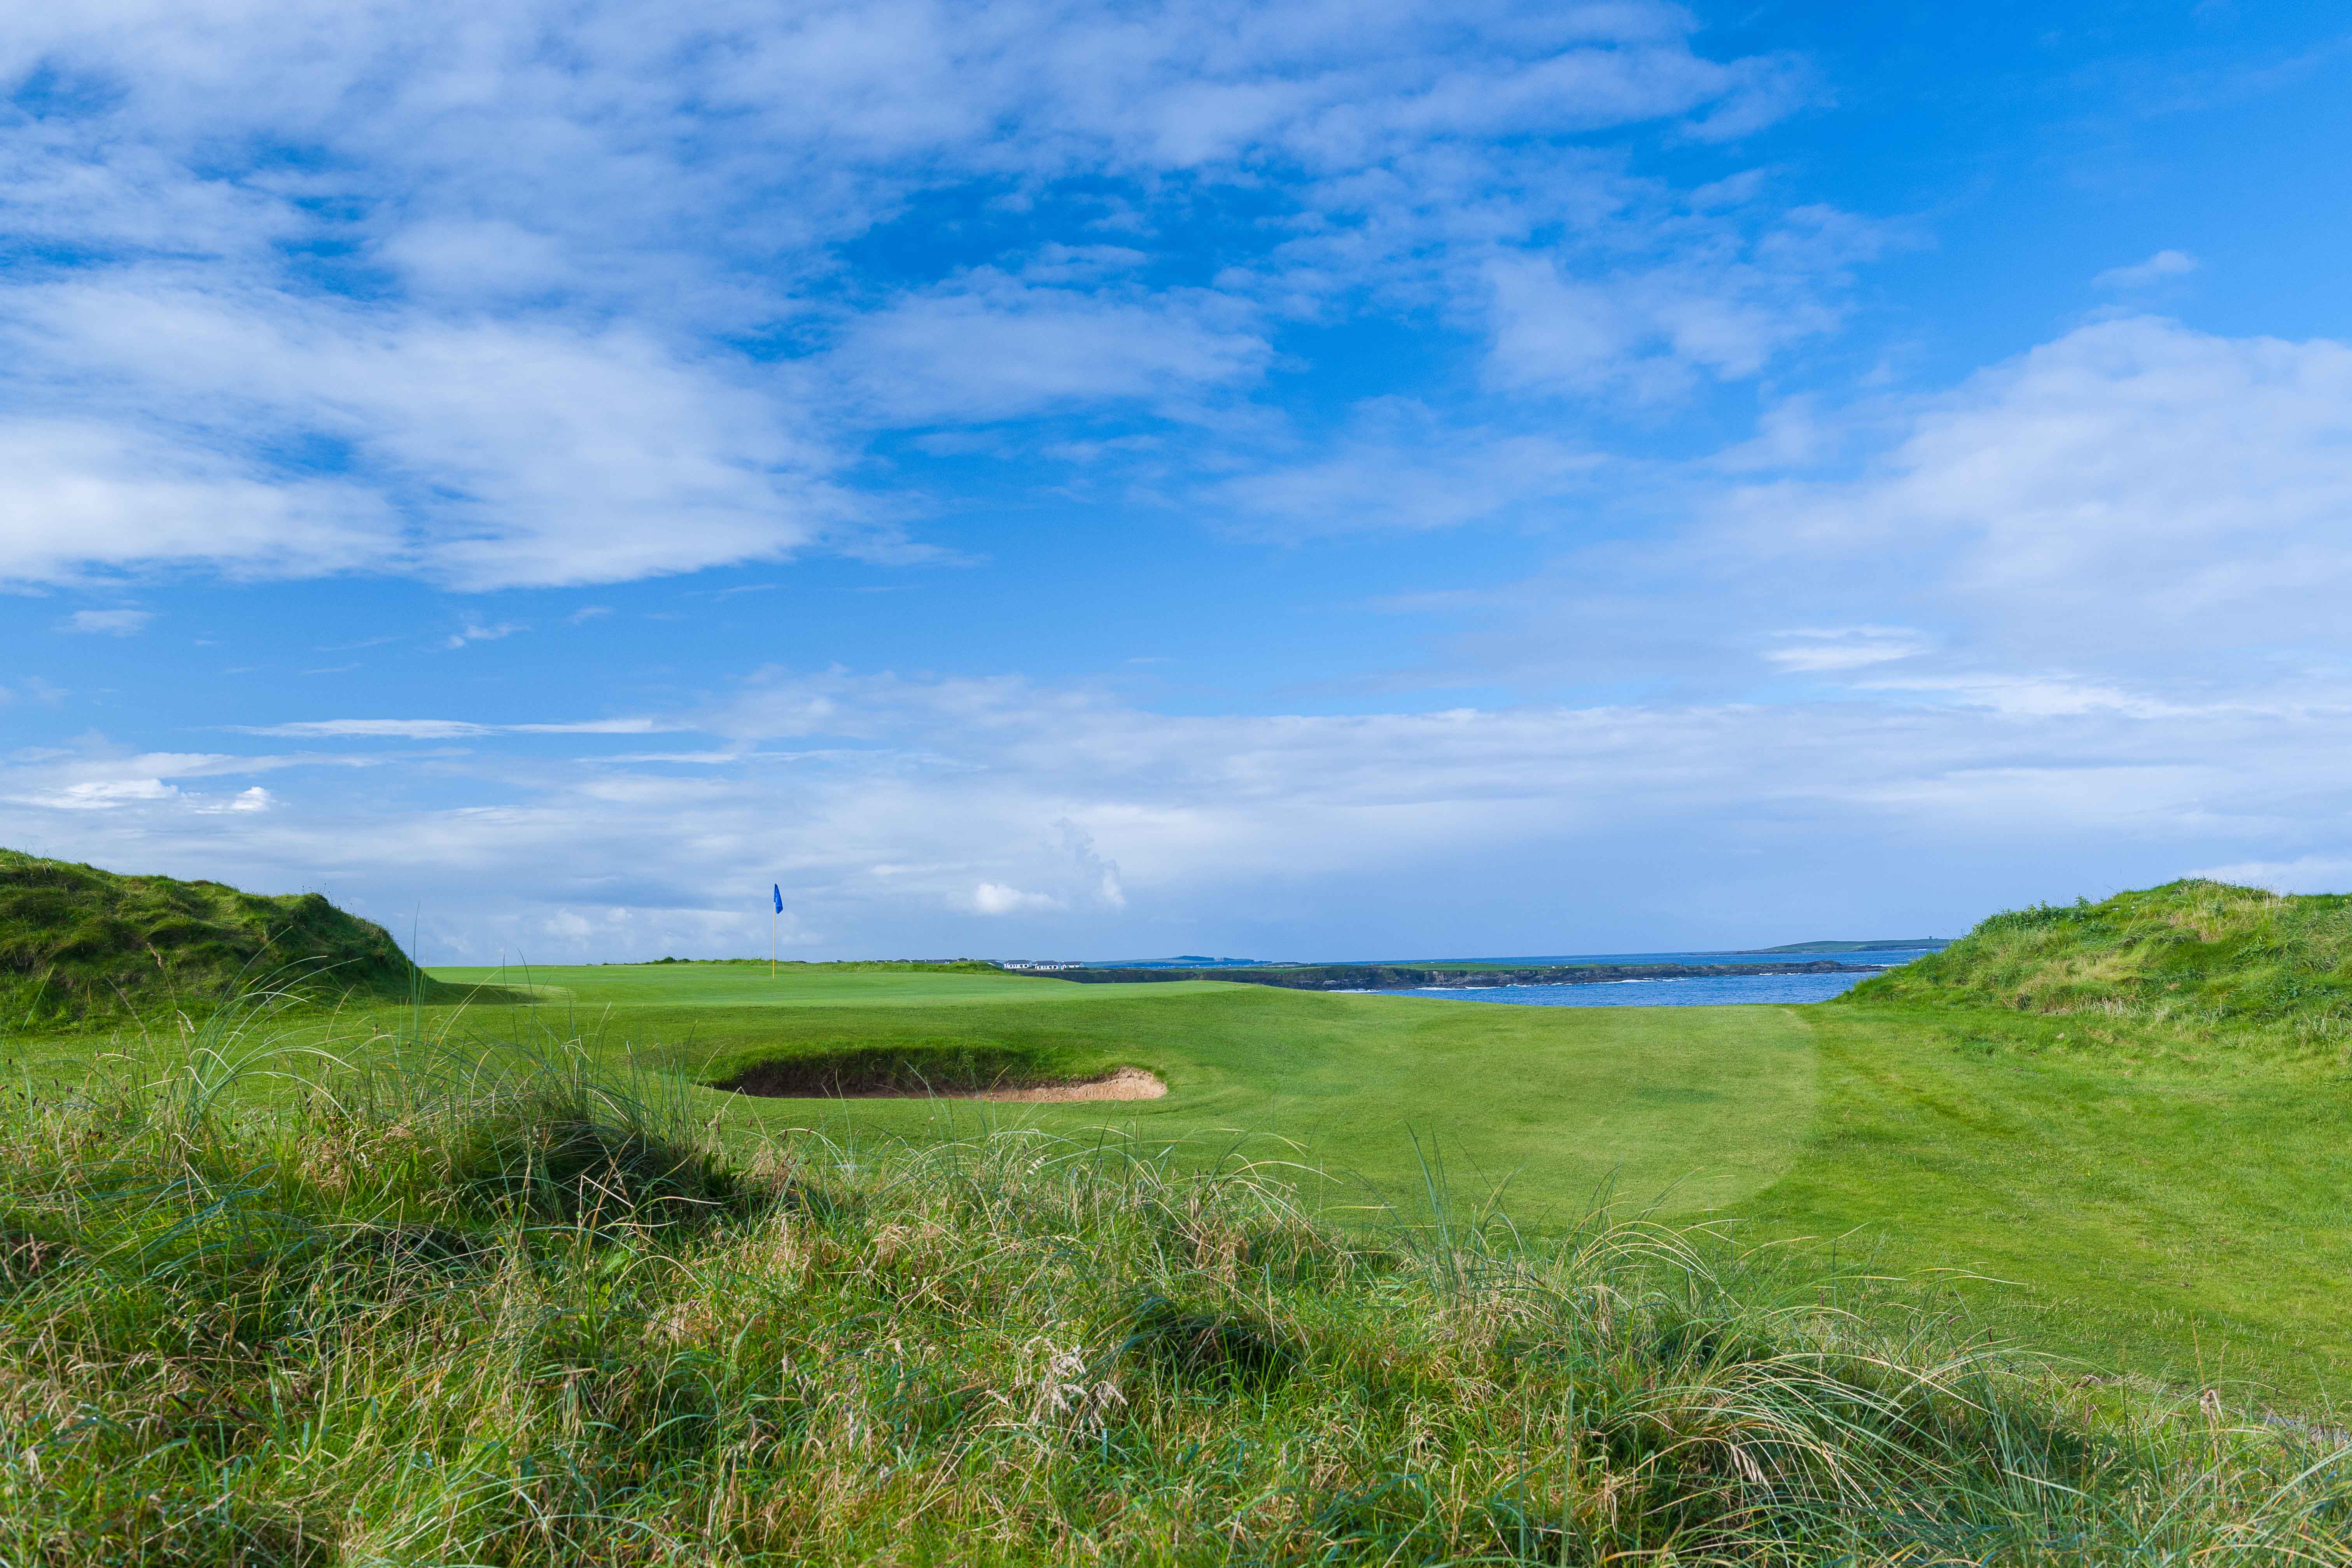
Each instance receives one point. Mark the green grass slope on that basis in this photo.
(2197, 953)
(2131, 1111)
(80, 945)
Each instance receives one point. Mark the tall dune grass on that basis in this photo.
(487, 1306)
(2196, 955)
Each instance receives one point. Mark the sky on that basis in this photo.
(1060, 480)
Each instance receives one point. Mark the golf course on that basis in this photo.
(2030, 1250)
(2130, 1200)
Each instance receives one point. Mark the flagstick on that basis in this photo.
(774, 917)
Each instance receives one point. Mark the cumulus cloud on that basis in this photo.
(480, 455)
(2134, 490)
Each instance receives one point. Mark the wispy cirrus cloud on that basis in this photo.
(108, 623)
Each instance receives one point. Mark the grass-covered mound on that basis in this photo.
(77, 943)
(450, 1313)
(2195, 952)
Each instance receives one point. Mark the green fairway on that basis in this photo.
(2131, 1200)
(794, 984)
(1697, 1109)
(2178, 1216)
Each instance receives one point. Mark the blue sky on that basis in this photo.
(1305, 480)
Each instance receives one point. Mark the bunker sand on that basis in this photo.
(1127, 1083)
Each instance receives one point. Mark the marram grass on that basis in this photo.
(505, 1310)
(2201, 957)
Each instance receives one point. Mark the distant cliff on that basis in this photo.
(1401, 977)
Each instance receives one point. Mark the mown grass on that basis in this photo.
(2133, 1109)
(494, 1305)
(2150, 1209)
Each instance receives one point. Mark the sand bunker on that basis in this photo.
(834, 1080)
(1127, 1083)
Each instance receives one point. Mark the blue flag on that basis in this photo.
(779, 898)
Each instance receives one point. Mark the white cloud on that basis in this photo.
(496, 324)
(909, 808)
(480, 455)
(79, 496)
(475, 631)
(2133, 495)
(2163, 264)
(1718, 303)
(989, 347)
(1399, 466)
(1807, 650)
(447, 728)
(995, 898)
(108, 623)
(100, 794)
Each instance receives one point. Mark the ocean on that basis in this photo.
(1699, 990)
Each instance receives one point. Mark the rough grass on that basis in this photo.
(79, 944)
(2198, 955)
(501, 1310)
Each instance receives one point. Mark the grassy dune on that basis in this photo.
(79, 944)
(2204, 960)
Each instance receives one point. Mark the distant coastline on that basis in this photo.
(1399, 977)
(1899, 944)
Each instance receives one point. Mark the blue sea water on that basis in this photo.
(1699, 990)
